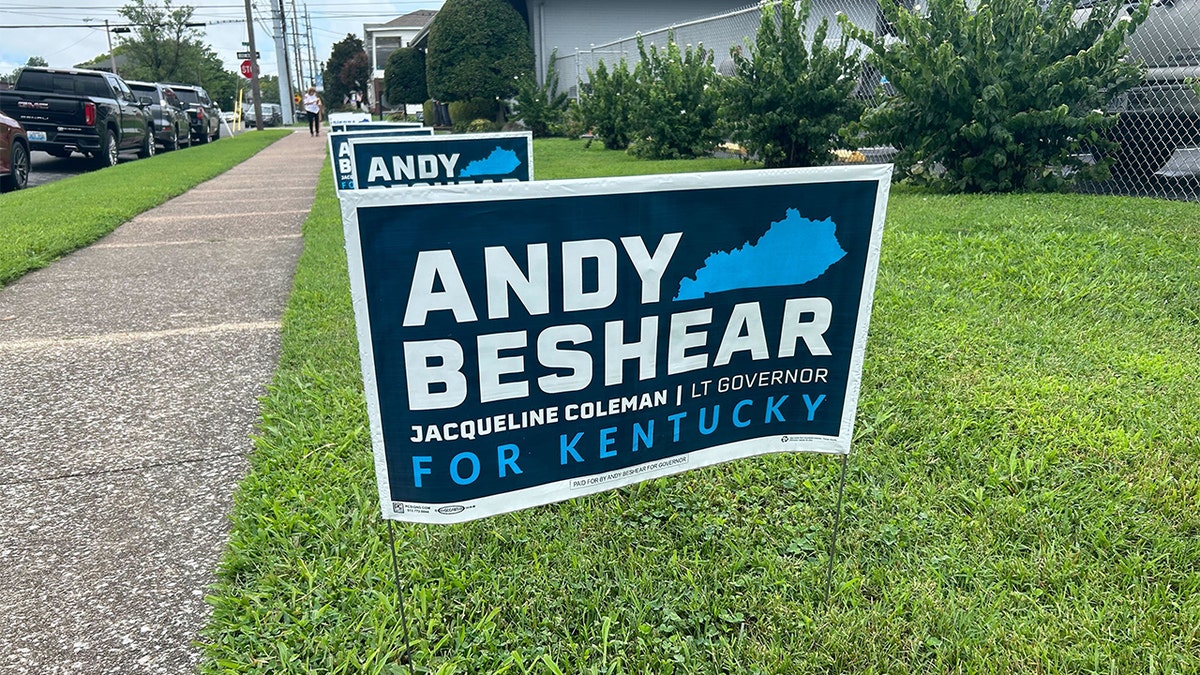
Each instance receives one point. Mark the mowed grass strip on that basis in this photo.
(1024, 495)
(42, 224)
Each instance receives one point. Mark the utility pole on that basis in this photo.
(298, 51)
(254, 90)
(111, 57)
(312, 51)
(282, 57)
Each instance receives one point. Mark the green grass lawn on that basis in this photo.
(42, 224)
(1024, 494)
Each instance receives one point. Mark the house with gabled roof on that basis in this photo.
(382, 39)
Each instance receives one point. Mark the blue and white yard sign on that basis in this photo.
(402, 161)
(526, 343)
(375, 126)
(341, 155)
(341, 119)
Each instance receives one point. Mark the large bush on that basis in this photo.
(1005, 97)
(404, 77)
(477, 49)
(675, 109)
(541, 106)
(606, 104)
(787, 101)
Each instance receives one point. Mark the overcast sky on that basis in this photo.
(226, 30)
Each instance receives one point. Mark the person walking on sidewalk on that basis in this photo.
(312, 107)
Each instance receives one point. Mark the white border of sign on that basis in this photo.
(347, 117)
(547, 493)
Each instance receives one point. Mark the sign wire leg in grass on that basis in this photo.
(837, 521)
(400, 598)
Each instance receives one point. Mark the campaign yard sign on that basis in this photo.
(340, 151)
(341, 119)
(526, 343)
(403, 161)
(373, 126)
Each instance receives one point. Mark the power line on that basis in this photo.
(92, 25)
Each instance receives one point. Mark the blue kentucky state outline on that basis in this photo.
(500, 162)
(793, 251)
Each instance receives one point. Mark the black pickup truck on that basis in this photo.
(67, 110)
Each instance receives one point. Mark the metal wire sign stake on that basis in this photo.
(524, 343)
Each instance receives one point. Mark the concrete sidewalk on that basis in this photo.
(129, 379)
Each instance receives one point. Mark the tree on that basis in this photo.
(347, 70)
(477, 49)
(675, 107)
(164, 44)
(32, 61)
(541, 107)
(1007, 96)
(787, 101)
(201, 67)
(404, 77)
(268, 87)
(606, 104)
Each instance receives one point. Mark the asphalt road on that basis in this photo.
(47, 169)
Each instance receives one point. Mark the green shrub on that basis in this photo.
(480, 126)
(573, 124)
(1006, 97)
(786, 103)
(675, 113)
(606, 105)
(465, 111)
(476, 48)
(541, 107)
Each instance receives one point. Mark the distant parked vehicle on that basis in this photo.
(172, 127)
(65, 110)
(272, 115)
(14, 155)
(203, 114)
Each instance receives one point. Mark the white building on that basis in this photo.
(579, 25)
(381, 39)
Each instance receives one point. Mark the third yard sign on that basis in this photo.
(525, 343)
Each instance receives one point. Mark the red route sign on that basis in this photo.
(247, 69)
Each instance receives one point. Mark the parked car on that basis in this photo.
(172, 128)
(14, 155)
(272, 115)
(203, 114)
(1162, 114)
(65, 110)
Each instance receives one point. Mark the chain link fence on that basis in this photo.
(1158, 125)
